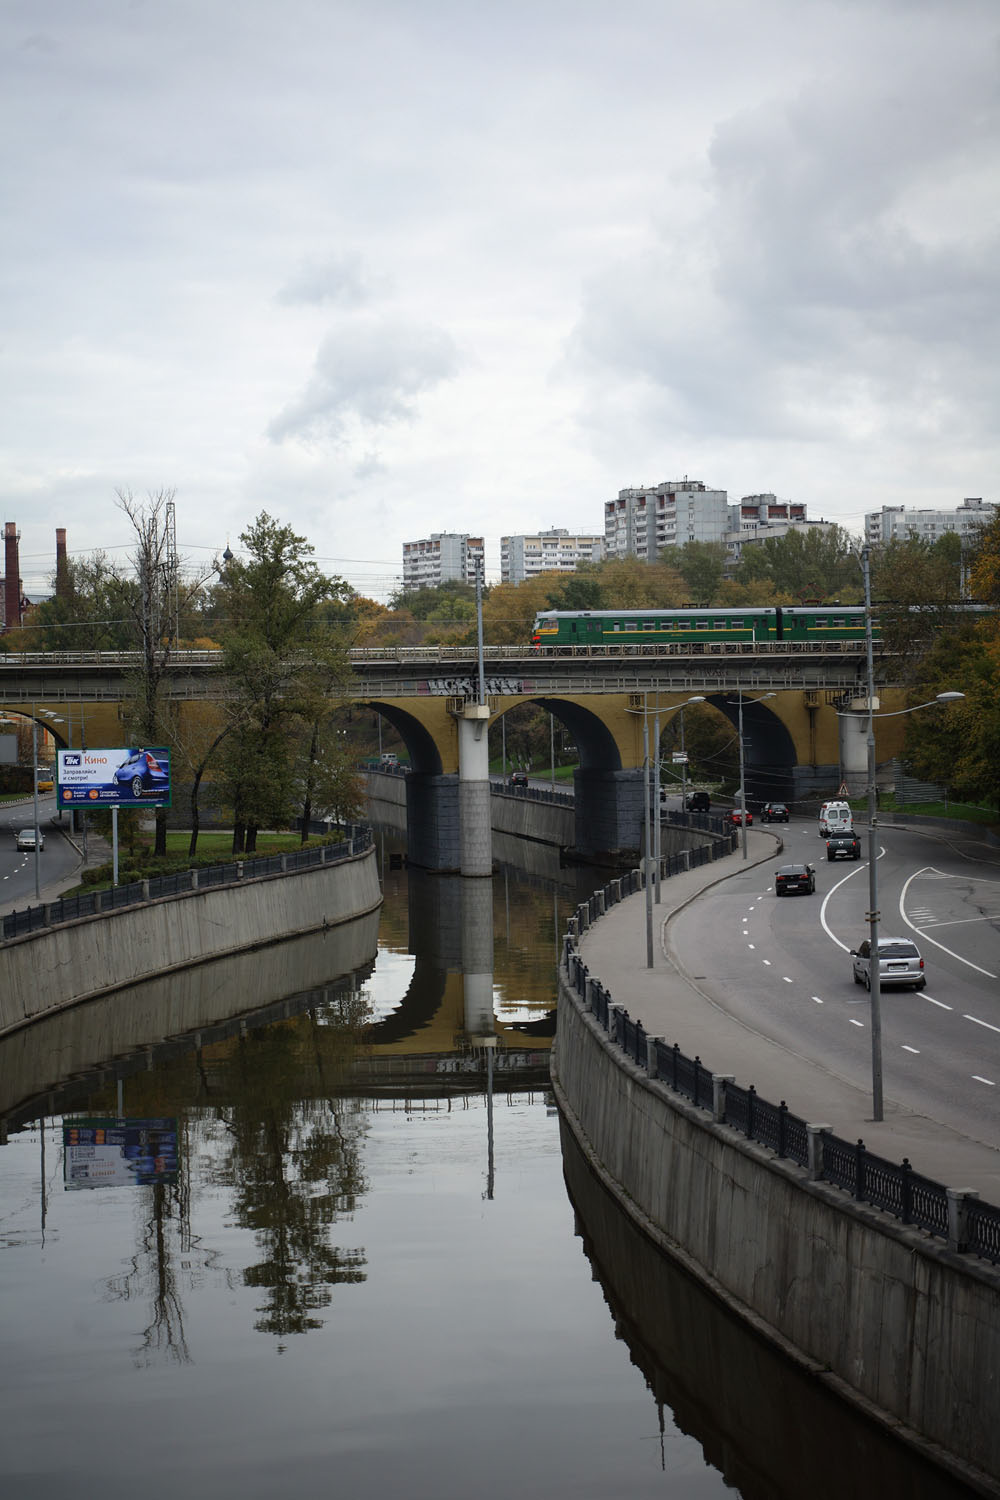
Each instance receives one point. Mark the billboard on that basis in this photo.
(120, 777)
(116, 1153)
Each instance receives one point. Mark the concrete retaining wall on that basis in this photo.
(75, 961)
(908, 1329)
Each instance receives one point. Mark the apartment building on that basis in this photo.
(442, 557)
(901, 521)
(642, 521)
(759, 517)
(554, 551)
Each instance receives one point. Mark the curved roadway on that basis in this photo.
(56, 862)
(783, 967)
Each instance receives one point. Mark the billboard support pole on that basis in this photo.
(114, 846)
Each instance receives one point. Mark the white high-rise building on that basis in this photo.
(899, 521)
(641, 522)
(554, 551)
(440, 558)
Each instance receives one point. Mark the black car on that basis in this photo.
(517, 778)
(797, 879)
(775, 812)
(699, 802)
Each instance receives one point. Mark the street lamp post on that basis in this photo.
(873, 915)
(648, 843)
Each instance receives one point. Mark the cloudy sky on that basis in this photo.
(387, 267)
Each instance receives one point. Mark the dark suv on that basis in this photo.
(775, 812)
(517, 778)
(699, 802)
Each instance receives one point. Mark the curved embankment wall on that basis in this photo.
(74, 961)
(901, 1325)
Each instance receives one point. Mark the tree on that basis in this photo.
(984, 571)
(959, 745)
(700, 564)
(817, 563)
(152, 602)
(279, 657)
(915, 587)
(89, 612)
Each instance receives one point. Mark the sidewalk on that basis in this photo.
(670, 1005)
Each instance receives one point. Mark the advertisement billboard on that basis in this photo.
(116, 1153)
(120, 777)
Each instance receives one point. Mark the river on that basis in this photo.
(326, 1245)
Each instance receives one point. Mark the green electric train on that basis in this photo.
(558, 629)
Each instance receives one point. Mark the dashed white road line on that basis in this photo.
(977, 1079)
(914, 1050)
(987, 1024)
(856, 1023)
(938, 1002)
(816, 998)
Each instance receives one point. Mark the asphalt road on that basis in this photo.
(784, 968)
(56, 862)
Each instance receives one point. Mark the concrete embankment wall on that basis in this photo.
(75, 961)
(898, 1323)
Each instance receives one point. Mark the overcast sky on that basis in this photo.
(388, 267)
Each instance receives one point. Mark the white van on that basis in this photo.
(835, 817)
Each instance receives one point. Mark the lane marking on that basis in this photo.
(914, 1050)
(976, 1078)
(856, 1023)
(938, 1002)
(786, 979)
(978, 1022)
(766, 961)
(751, 946)
(829, 896)
(816, 998)
(950, 951)
(960, 921)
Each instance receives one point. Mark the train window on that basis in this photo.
(718, 624)
(649, 624)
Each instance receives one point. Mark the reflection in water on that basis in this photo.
(773, 1429)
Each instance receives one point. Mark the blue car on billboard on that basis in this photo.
(143, 775)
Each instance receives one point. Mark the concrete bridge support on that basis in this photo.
(432, 821)
(854, 745)
(610, 810)
(477, 959)
(475, 830)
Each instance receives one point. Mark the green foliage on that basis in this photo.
(93, 613)
(958, 744)
(701, 564)
(915, 587)
(813, 564)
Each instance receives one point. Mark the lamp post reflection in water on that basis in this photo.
(477, 981)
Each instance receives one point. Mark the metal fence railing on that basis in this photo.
(965, 1221)
(88, 903)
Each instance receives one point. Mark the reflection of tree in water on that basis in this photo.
(295, 1164)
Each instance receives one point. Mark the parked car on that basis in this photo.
(142, 773)
(775, 812)
(843, 846)
(899, 963)
(736, 818)
(26, 840)
(799, 880)
(699, 802)
(517, 778)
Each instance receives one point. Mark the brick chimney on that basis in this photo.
(11, 576)
(62, 567)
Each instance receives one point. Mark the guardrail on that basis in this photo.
(966, 1222)
(137, 892)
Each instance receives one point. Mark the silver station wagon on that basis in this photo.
(899, 964)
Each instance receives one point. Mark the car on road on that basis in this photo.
(835, 817)
(843, 846)
(517, 778)
(699, 802)
(899, 964)
(799, 880)
(142, 773)
(775, 812)
(26, 840)
(736, 818)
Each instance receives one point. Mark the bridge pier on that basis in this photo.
(432, 821)
(610, 811)
(853, 729)
(475, 828)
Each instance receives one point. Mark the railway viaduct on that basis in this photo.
(804, 715)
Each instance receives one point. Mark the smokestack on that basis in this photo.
(62, 567)
(11, 577)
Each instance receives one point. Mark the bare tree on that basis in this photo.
(155, 609)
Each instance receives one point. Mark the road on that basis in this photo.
(783, 967)
(56, 862)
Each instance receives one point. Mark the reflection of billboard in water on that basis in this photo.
(119, 777)
(113, 1153)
